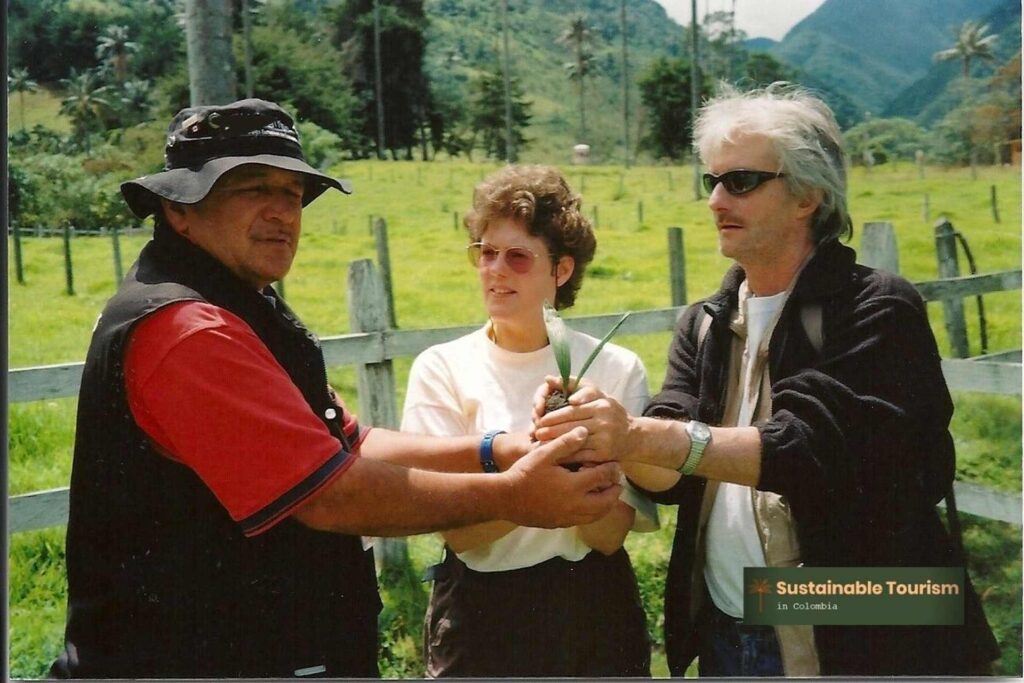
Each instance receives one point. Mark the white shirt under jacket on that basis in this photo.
(471, 385)
(732, 538)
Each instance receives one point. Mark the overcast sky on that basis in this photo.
(759, 18)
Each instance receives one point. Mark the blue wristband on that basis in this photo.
(487, 450)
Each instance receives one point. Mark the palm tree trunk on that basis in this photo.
(625, 86)
(378, 80)
(510, 150)
(211, 70)
(579, 74)
(694, 90)
(247, 40)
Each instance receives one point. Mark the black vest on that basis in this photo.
(161, 582)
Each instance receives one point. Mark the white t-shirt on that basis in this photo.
(732, 539)
(471, 385)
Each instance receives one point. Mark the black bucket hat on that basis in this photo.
(204, 143)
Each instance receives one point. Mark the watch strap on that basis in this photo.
(487, 450)
(697, 447)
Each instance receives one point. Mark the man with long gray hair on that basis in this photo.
(804, 416)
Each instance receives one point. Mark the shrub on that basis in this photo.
(56, 189)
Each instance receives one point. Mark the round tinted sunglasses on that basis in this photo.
(740, 181)
(519, 259)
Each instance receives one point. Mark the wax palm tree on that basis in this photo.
(135, 101)
(973, 41)
(84, 103)
(208, 31)
(578, 37)
(114, 49)
(19, 82)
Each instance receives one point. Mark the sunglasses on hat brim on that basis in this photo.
(740, 181)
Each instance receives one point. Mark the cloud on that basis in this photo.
(758, 18)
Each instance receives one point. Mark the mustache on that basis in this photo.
(277, 235)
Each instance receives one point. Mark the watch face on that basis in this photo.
(700, 431)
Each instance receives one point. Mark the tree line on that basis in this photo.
(121, 62)
(355, 74)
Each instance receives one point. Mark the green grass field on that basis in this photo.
(434, 286)
(41, 108)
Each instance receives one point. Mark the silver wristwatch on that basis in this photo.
(700, 437)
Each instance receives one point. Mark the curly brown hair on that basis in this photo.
(539, 198)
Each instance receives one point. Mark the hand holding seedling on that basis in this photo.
(543, 494)
(560, 394)
(605, 419)
(558, 338)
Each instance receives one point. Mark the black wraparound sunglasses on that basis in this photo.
(740, 181)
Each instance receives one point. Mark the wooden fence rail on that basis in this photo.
(375, 346)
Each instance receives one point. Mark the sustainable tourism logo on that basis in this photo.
(853, 595)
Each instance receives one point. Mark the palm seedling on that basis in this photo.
(558, 337)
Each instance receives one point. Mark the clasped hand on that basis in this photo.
(605, 419)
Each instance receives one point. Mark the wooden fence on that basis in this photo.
(69, 233)
(374, 343)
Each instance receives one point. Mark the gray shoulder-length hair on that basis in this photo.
(806, 139)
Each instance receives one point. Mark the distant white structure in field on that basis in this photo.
(581, 154)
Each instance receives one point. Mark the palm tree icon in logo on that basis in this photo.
(760, 588)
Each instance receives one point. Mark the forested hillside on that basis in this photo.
(931, 97)
(872, 49)
(118, 67)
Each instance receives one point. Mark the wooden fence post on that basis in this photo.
(995, 205)
(640, 212)
(878, 247)
(926, 209)
(367, 312)
(676, 266)
(380, 237)
(18, 268)
(455, 220)
(115, 241)
(596, 222)
(69, 273)
(953, 309)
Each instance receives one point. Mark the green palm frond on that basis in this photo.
(600, 345)
(558, 337)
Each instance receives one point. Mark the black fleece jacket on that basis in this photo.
(858, 443)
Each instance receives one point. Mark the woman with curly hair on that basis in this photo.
(514, 601)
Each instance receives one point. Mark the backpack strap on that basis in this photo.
(702, 327)
(810, 318)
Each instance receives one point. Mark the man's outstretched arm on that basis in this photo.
(651, 450)
(378, 498)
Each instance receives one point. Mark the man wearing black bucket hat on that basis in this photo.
(219, 486)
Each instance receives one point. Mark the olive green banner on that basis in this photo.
(863, 596)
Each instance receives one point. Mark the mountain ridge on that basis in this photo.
(863, 46)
